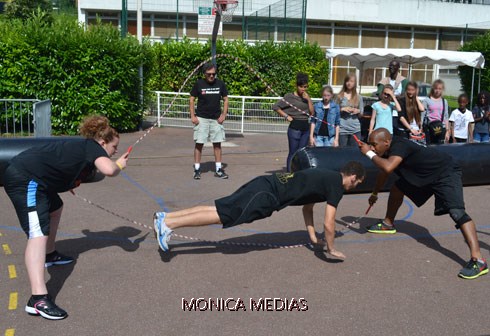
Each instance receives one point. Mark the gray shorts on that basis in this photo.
(208, 129)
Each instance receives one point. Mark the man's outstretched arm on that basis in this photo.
(386, 165)
(310, 226)
(330, 212)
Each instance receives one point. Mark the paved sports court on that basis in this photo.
(121, 284)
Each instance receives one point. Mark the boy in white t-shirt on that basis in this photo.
(462, 121)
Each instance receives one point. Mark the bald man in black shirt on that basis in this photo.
(423, 172)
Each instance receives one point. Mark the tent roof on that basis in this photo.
(366, 58)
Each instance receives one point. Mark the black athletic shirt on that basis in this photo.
(421, 165)
(209, 98)
(307, 186)
(58, 165)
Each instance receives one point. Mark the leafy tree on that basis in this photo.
(481, 44)
(24, 9)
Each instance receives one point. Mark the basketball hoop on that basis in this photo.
(226, 8)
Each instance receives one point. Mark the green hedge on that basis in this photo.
(88, 71)
(480, 44)
(276, 63)
(82, 71)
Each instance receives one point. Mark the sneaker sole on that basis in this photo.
(48, 264)
(34, 311)
(157, 233)
(221, 177)
(382, 231)
(485, 271)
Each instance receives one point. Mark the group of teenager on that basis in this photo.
(335, 120)
(35, 177)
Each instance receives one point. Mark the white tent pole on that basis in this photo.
(360, 77)
(479, 80)
(472, 88)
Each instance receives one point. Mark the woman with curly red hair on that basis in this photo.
(33, 180)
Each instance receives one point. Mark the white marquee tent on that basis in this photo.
(365, 58)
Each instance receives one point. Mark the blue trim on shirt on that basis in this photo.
(31, 194)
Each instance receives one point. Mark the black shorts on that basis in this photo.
(447, 190)
(32, 202)
(252, 201)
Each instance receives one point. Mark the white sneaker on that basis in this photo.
(162, 232)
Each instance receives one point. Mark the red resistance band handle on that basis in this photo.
(357, 139)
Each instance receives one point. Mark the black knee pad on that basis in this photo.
(459, 216)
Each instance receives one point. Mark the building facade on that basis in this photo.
(429, 24)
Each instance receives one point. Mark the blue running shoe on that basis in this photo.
(162, 232)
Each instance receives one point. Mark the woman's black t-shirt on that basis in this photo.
(58, 165)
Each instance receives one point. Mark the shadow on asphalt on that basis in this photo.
(483, 244)
(419, 233)
(91, 241)
(210, 166)
(226, 246)
(282, 170)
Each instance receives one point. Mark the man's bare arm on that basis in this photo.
(330, 212)
(310, 226)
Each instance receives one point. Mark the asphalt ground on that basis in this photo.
(121, 284)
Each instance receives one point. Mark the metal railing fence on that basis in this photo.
(25, 117)
(245, 113)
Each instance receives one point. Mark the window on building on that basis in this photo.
(424, 41)
(232, 31)
(373, 39)
(191, 29)
(346, 38)
(132, 27)
(422, 73)
(371, 77)
(322, 36)
(399, 40)
(449, 41)
(166, 29)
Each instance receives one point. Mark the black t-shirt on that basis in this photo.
(307, 186)
(323, 131)
(209, 98)
(403, 113)
(421, 165)
(58, 165)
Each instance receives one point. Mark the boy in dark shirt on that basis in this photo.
(208, 117)
(263, 195)
(423, 172)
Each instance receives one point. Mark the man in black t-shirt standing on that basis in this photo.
(423, 172)
(263, 195)
(208, 118)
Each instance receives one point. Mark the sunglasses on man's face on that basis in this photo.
(209, 74)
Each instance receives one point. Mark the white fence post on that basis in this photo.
(158, 109)
(243, 115)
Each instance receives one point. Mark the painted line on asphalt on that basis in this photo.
(10, 332)
(12, 272)
(6, 249)
(158, 200)
(13, 301)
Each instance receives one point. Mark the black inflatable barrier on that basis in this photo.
(474, 160)
(10, 147)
